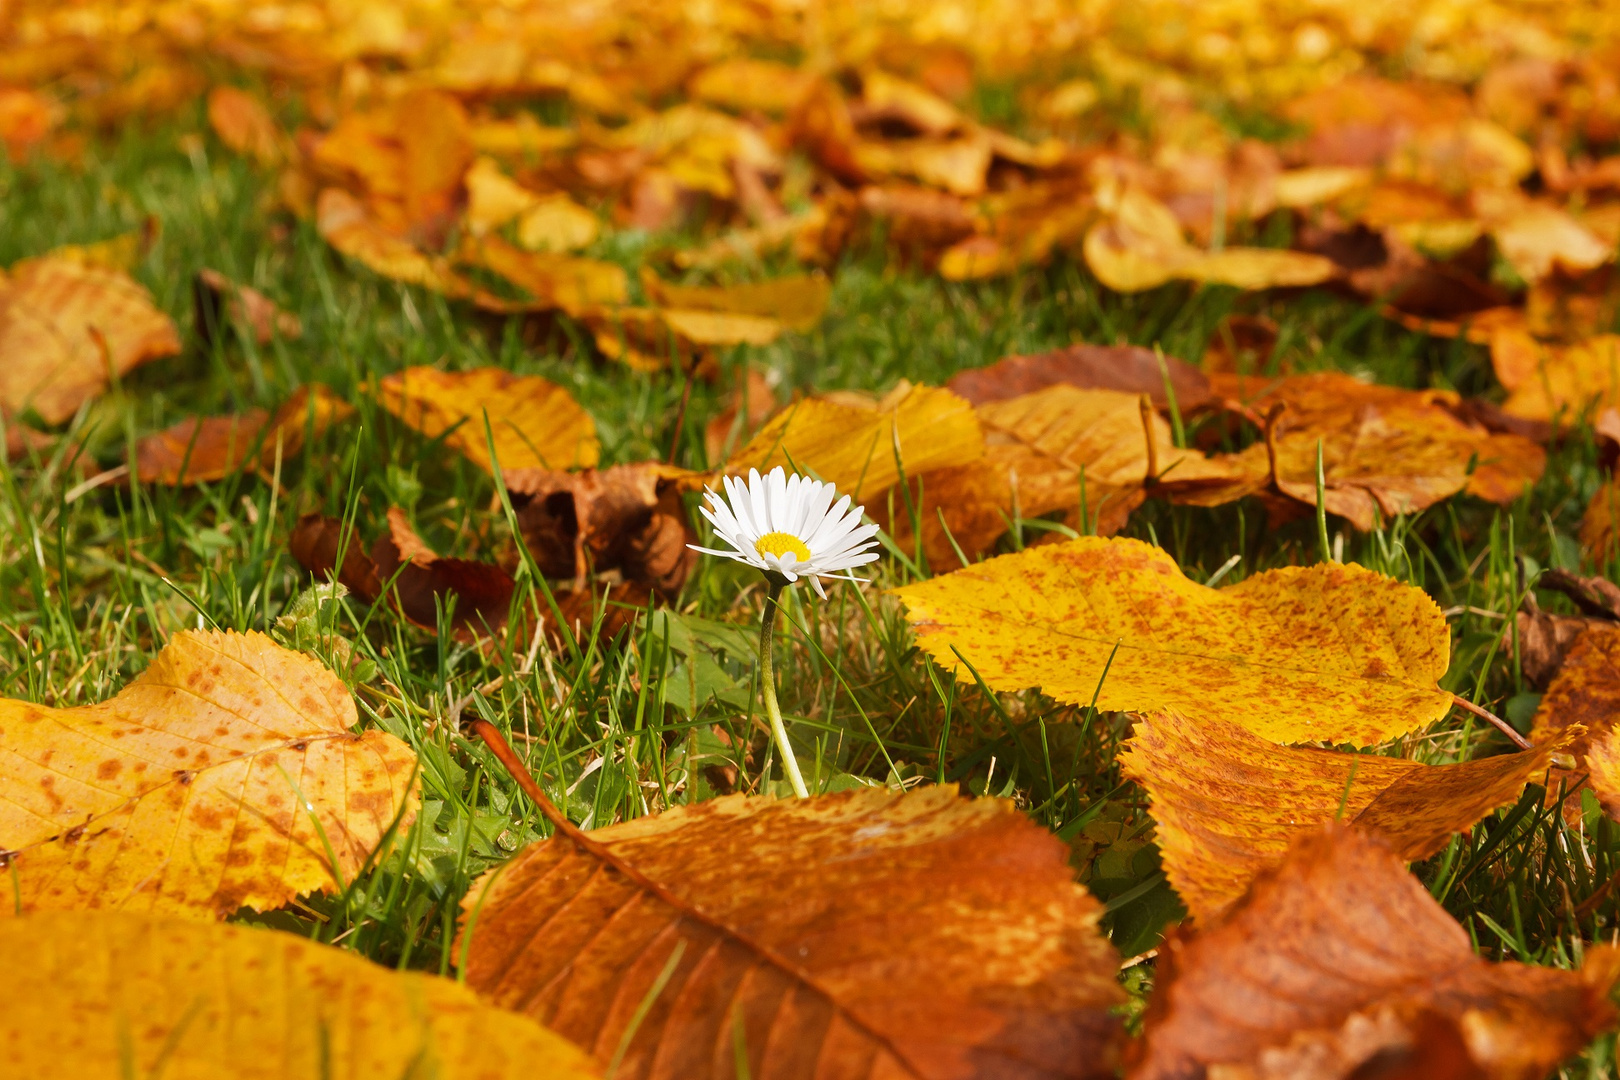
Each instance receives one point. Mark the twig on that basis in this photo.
(1485, 714)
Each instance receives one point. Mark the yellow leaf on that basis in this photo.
(1328, 652)
(110, 994)
(493, 198)
(1229, 803)
(557, 223)
(67, 327)
(204, 786)
(243, 123)
(344, 222)
(744, 84)
(1537, 239)
(796, 302)
(855, 448)
(536, 424)
(554, 281)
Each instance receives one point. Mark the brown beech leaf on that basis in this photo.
(1328, 652)
(796, 302)
(875, 934)
(1037, 448)
(67, 327)
(1545, 637)
(1385, 451)
(104, 994)
(1128, 368)
(627, 518)
(1229, 803)
(243, 123)
(211, 782)
(1556, 382)
(861, 446)
(535, 423)
(418, 581)
(208, 448)
(1338, 959)
(219, 300)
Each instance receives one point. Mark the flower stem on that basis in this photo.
(767, 687)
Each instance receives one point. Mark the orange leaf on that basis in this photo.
(203, 449)
(1339, 958)
(1228, 803)
(874, 934)
(243, 123)
(204, 786)
(67, 328)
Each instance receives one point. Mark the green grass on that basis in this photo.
(89, 589)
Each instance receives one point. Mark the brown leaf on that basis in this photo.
(745, 409)
(627, 518)
(204, 449)
(1229, 803)
(1128, 368)
(918, 935)
(1339, 955)
(213, 781)
(565, 282)
(1240, 344)
(1584, 696)
(66, 328)
(344, 222)
(218, 299)
(243, 123)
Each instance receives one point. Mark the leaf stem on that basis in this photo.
(767, 690)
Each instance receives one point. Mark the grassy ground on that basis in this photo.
(89, 588)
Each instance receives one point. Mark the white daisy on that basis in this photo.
(789, 527)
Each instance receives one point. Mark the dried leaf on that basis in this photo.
(204, 449)
(1038, 447)
(243, 123)
(557, 223)
(535, 424)
(627, 518)
(204, 786)
(1228, 803)
(571, 284)
(218, 299)
(745, 84)
(861, 449)
(1332, 962)
(746, 408)
(1327, 652)
(1557, 382)
(1536, 239)
(110, 993)
(493, 198)
(1128, 368)
(344, 222)
(419, 582)
(67, 328)
(796, 302)
(1585, 694)
(929, 935)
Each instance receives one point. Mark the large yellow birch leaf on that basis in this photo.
(204, 786)
(109, 995)
(857, 935)
(1329, 652)
(856, 445)
(67, 328)
(1229, 803)
(536, 424)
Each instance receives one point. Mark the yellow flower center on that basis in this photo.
(780, 543)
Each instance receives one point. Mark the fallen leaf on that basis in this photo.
(1331, 961)
(345, 223)
(535, 424)
(572, 284)
(1329, 652)
(1128, 368)
(1241, 344)
(213, 782)
(67, 328)
(1041, 450)
(1600, 523)
(1557, 382)
(112, 993)
(929, 935)
(493, 198)
(26, 118)
(557, 223)
(1536, 239)
(417, 581)
(204, 449)
(627, 518)
(796, 302)
(1585, 692)
(1228, 803)
(243, 123)
(862, 449)
(436, 148)
(218, 300)
(744, 84)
